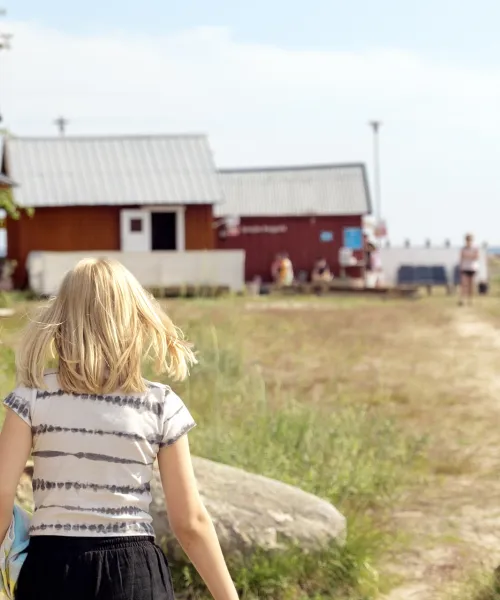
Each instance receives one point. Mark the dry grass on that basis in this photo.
(426, 367)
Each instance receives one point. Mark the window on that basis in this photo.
(136, 225)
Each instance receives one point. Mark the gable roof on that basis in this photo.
(128, 170)
(295, 191)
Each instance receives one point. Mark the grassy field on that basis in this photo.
(366, 403)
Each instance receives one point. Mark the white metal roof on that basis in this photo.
(295, 191)
(135, 170)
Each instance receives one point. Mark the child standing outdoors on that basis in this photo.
(95, 427)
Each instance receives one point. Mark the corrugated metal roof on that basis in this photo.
(171, 169)
(295, 191)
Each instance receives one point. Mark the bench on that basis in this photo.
(428, 276)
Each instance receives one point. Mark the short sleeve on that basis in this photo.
(177, 420)
(21, 402)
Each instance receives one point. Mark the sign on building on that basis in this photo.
(326, 236)
(353, 238)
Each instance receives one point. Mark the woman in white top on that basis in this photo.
(469, 258)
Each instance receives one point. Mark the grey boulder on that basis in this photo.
(251, 512)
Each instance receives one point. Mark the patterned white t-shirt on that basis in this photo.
(94, 454)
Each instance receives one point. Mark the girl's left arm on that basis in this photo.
(15, 448)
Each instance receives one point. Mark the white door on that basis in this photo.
(135, 229)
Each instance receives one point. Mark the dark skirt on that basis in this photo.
(60, 568)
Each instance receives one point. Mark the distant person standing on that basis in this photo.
(373, 265)
(469, 265)
(376, 266)
(367, 251)
(275, 268)
(285, 270)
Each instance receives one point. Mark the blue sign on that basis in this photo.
(353, 238)
(326, 236)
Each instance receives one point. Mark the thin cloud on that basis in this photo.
(263, 104)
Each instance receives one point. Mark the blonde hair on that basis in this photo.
(100, 327)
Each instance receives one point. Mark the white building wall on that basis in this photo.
(226, 268)
(394, 257)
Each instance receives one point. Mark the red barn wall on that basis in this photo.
(62, 229)
(301, 240)
(77, 228)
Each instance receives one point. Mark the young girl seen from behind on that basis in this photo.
(95, 428)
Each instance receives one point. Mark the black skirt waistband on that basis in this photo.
(73, 568)
(59, 543)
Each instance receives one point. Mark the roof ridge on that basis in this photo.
(277, 169)
(102, 138)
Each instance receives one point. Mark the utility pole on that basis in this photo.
(375, 125)
(61, 124)
(5, 39)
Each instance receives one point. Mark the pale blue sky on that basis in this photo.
(277, 82)
(444, 29)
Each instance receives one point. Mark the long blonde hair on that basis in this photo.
(100, 327)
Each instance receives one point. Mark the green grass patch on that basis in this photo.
(346, 452)
(481, 585)
(332, 574)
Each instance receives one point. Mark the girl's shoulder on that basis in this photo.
(155, 387)
(162, 393)
(176, 415)
(50, 379)
(50, 383)
(22, 400)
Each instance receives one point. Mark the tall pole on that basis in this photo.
(375, 125)
(61, 124)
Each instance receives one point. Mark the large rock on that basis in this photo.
(252, 512)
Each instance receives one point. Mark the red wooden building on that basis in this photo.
(308, 212)
(141, 193)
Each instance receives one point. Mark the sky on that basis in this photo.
(282, 82)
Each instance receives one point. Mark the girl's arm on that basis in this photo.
(190, 521)
(15, 448)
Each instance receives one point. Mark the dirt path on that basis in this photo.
(454, 520)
